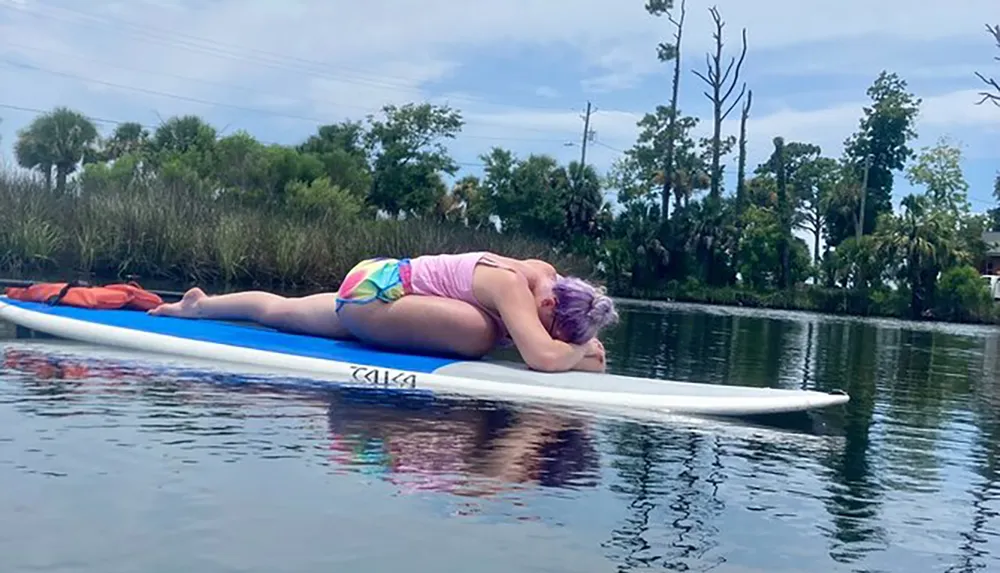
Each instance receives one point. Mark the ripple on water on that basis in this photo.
(106, 461)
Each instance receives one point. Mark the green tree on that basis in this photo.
(963, 296)
(123, 175)
(994, 213)
(242, 163)
(468, 203)
(528, 195)
(704, 241)
(587, 214)
(183, 148)
(184, 134)
(883, 136)
(814, 182)
(538, 197)
(939, 169)
(635, 256)
(921, 243)
(650, 247)
(341, 149)
(408, 157)
(790, 166)
(861, 265)
(320, 198)
(932, 234)
(760, 260)
(646, 159)
(31, 153)
(128, 137)
(285, 167)
(59, 139)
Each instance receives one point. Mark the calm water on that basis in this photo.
(110, 464)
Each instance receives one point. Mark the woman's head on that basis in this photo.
(577, 310)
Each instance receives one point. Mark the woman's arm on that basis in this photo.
(509, 294)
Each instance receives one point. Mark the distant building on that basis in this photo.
(991, 266)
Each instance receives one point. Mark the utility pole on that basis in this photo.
(587, 135)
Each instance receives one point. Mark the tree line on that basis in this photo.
(675, 233)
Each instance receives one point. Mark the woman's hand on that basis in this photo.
(595, 348)
(595, 358)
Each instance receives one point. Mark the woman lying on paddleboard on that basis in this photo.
(467, 305)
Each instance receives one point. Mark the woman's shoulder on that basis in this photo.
(533, 271)
(542, 267)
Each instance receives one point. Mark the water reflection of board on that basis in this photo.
(343, 362)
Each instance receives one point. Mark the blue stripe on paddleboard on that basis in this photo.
(243, 336)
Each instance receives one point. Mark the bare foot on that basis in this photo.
(187, 307)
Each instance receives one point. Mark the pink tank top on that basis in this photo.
(450, 276)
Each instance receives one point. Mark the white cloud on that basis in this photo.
(953, 113)
(546, 92)
(333, 60)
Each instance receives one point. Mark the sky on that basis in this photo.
(521, 72)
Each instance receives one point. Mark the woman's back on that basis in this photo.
(445, 275)
(451, 276)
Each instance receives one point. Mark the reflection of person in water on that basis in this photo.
(448, 447)
(443, 445)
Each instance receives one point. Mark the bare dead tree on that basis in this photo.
(716, 80)
(741, 168)
(992, 83)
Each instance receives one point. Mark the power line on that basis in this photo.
(589, 135)
(606, 146)
(90, 117)
(229, 105)
(170, 38)
(225, 85)
(165, 74)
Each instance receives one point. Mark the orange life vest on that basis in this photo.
(128, 296)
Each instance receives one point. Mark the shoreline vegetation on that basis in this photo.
(179, 205)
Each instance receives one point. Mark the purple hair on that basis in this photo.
(582, 309)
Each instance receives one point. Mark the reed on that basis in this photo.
(177, 237)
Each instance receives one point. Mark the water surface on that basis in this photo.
(112, 463)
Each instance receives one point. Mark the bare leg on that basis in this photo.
(314, 314)
(422, 324)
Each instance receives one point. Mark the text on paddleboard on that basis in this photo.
(383, 377)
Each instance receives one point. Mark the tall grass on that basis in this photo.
(167, 235)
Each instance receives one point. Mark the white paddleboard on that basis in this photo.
(349, 363)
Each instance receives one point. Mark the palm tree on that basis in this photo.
(922, 239)
(31, 154)
(128, 137)
(60, 139)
